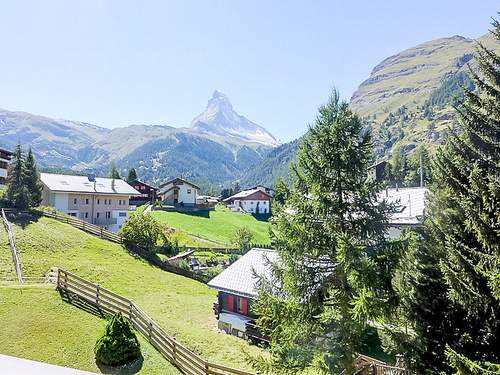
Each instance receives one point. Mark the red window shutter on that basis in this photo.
(230, 302)
(244, 306)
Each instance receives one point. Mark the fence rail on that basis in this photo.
(371, 366)
(175, 352)
(12, 243)
(83, 225)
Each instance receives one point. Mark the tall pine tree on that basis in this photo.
(17, 193)
(465, 215)
(32, 180)
(330, 237)
(132, 175)
(114, 172)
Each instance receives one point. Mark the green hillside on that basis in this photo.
(38, 325)
(216, 228)
(180, 305)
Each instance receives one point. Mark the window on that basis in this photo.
(98, 201)
(251, 202)
(189, 191)
(122, 214)
(86, 215)
(74, 200)
(97, 215)
(72, 214)
(86, 201)
(108, 215)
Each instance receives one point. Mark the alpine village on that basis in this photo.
(370, 245)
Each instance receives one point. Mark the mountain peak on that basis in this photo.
(219, 118)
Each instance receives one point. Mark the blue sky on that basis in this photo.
(115, 63)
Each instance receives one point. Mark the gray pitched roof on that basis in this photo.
(239, 278)
(410, 203)
(82, 184)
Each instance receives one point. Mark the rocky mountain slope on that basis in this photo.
(214, 154)
(408, 97)
(407, 100)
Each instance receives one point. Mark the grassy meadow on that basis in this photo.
(214, 228)
(38, 325)
(180, 305)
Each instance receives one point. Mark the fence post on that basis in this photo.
(97, 295)
(130, 312)
(206, 369)
(174, 351)
(101, 232)
(150, 329)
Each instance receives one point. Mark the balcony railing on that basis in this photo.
(105, 221)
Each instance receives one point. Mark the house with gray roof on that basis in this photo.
(97, 200)
(237, 287)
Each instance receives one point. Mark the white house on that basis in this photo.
(97, 200)
(179, 192)
(5, 157)
(410, 205)
(254, 201)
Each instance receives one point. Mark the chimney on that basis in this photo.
(113, 184)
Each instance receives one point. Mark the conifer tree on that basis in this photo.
(114, 172)
(465, 217)
(17, 193)
(132, 175)
(32, 180)
(329, 235)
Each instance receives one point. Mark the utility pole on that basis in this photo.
(421, 171)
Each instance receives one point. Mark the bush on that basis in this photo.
(243, 238)
(213, 271)
(118, 345)
(143, 231)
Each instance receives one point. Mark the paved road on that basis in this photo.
(19, 366)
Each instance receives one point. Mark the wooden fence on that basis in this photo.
(12, 243)
(83, 225)
(184, 359)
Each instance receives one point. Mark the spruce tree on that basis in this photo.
(132, 175)
(114, 172)
(17, 193)
(32, 180)
(330, 276)
(465, 209)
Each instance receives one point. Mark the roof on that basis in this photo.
(143, 183)
(245, 194)
(240, 277)
(410, 204)
(174, 180)
(6, 151)
(82, 184)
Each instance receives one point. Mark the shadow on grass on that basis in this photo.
(262, 217)
(80, 303)
(23, 219)
(205, 214)
(125, 369)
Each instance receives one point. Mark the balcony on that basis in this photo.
(105, 221)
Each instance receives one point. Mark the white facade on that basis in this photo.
(4, 161)
(251, 206)
(187, 194)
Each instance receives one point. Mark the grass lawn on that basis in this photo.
(183, 307)
(217, 226)
(6, 264)
(38, 325)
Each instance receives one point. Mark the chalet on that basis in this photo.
(378, 170)
(237, 288)
(97, 200)
(410, 206)
(178, 192)
(148, 193)
(254, 201)
(265, 189)
(5, 157)
(206, 201)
